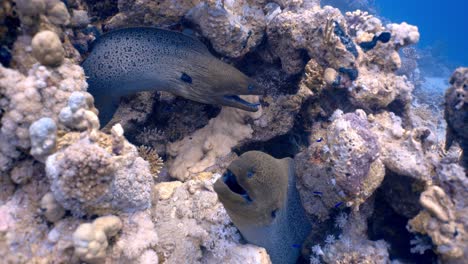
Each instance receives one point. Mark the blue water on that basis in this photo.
(443, 24)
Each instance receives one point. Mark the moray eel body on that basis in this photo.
(131, 60)
(259, 194)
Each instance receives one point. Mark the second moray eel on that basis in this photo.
(259, 194)
(131, 60)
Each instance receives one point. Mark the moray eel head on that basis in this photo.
(254, 187)
(216, 82)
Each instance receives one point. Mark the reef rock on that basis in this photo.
(96, 173)
(26, 99)
(341, 166)
(456, 110)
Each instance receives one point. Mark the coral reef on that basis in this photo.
(192, 225)
(234, 27)
(341, 166)
(199, 151)
(96, 173)
(456, 108)
(443, 222)
(91, 239)
(372, 172)
(47, 48)
(351, 246)
(26, 99)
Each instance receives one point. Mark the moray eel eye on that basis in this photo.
(250, 173)
(230, 180)
(186, 78)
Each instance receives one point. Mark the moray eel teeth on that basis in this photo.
(236, 101)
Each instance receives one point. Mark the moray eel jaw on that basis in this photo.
(244, 189)
(237, 102)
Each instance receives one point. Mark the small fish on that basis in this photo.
(319, 140)
(338, 204)
(296, 246)
(317, 193)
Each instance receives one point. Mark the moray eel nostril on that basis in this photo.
(131, 60)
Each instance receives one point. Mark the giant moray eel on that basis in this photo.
(259, 194)
(131, 60)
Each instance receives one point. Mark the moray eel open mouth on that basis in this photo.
(236, 101)
(231, 181)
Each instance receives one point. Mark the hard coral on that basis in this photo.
(197, 152)
(91, 239)
(26, 99)
(406, 152)
(147, 12)
(233, 28)
(341, 166)
(456, 110)
(192, 225)
(291, 31)
(43, 134)
(96, 173)
(443, 222)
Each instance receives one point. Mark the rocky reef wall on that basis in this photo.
(72, 191)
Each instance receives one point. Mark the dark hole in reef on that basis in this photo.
(386, 223)
(279, 147)
(8, 37)
(282, 146)
(397, 107)
(102, 8)
(269, 75)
